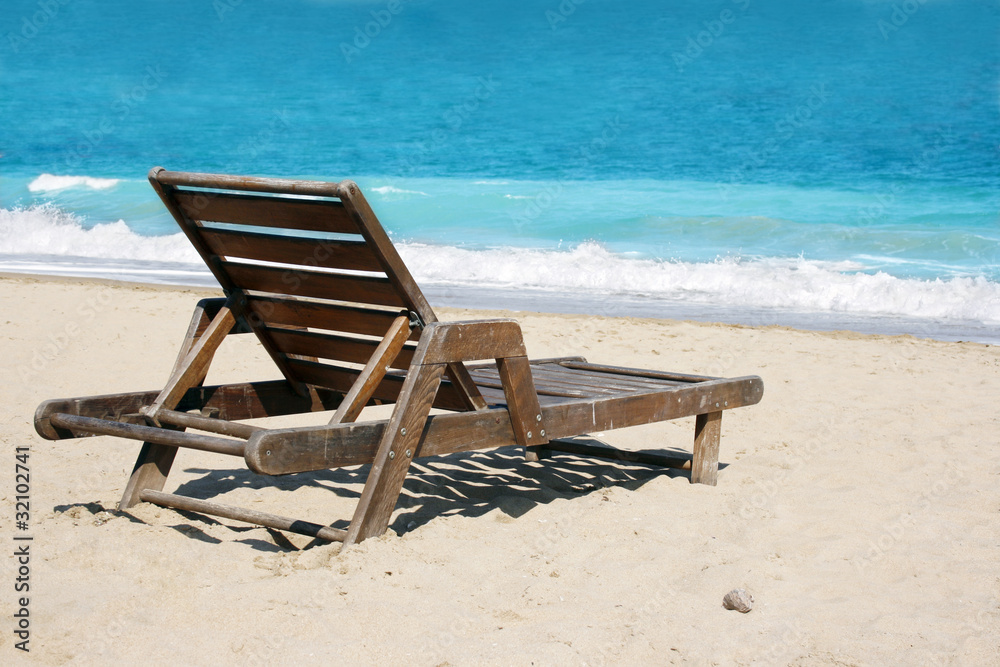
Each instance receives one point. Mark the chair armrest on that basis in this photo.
(451, 342)
(444, 343)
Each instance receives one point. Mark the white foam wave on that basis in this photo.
(588, 270)
(793, 284)
(51, 182)
(47, 230)
(391, 190)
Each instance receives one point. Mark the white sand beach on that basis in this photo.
(858, 503)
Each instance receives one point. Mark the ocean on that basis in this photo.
(827, 165)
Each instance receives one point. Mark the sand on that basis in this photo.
(858, 503)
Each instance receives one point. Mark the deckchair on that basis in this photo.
(307, 268)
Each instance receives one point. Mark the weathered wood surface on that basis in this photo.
(450, 342)
(705, 464)
(233, 402)
(337, 347)
(319, 315)
(399, 444)
(637, 372)
(316, 284)
(351, 255)
(282, 451)
(522, 402)
(188, 504)
(191, 371)
(210, 424)
(304, 214)
(154, 434)
(149, 472)
(373, 372)
(251, 183)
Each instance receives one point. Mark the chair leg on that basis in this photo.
(150, 472)
(705, 464)
(202, 339)
(398, 448)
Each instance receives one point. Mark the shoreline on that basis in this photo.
(551, 303)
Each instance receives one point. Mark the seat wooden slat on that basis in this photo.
(331, 346)
(308, 215)
(300, 282)
(603, 379)
(315, 315)
(485, 380)
(341, 379)
(350, 255)
(637, 372)
(566, 384)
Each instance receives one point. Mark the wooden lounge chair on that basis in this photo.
(309, 270)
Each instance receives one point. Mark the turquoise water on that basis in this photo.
(744, 156)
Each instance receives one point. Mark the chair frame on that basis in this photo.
(486, 411)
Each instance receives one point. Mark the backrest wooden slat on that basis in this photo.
(300, 282)
(305, 214)
(331, 346)
(333, 317)
(350, 255)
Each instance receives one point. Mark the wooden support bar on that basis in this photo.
(612, 454)
(232, 402)
(397, 449)
(373, 372)
(239, 514)
(522, 402)
(210, 424)
(159, 436)
(192, 370)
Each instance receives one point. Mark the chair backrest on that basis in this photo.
(309, 268)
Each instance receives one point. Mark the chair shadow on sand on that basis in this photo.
(469, 484)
